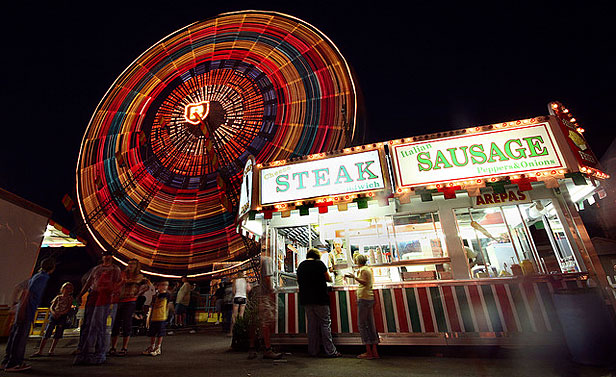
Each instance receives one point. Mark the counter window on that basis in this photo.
(506, 240)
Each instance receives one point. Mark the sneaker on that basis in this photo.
(112, 352)
(147, 351)
(271, 355)
(18, 368)
(156, 352)
(334, 355)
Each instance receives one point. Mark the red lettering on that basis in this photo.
(503, 197)
(512, 197)
(489, 199)
(521, 195)
(480, 200)
(496, 198)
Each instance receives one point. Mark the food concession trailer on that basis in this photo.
(469, 232)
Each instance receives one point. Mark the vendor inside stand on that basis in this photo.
(338, 263)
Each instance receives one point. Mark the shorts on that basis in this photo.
(58, 324)
(267, 308)
(239, 301)
(157, 328)
(180, 308)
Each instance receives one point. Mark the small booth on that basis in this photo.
(468, 232)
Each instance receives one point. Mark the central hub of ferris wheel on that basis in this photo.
(194, 113)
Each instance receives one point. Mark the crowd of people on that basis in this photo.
(108, 291)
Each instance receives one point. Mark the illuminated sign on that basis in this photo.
(494, 199)
(195, 112)
(514, 150)
(329, 176)
(246, 189)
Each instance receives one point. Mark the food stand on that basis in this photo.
(468, 232)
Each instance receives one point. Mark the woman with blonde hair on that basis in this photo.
(365, 306)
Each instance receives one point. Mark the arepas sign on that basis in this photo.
(515, 150)
(329, 176)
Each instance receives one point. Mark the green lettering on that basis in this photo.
(366, 169)
(343, 173)
(454, 158)
(441, 160)
(280, 182)
(319, 179)
(421, 161)
(521, 151)
(534, 148)
(477, 155)
(496, 152)
(300, 176)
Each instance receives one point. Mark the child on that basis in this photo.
(157, 318)
(60, 307)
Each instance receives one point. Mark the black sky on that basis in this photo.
(425, 67)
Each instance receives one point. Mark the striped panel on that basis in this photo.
(280, 324)
(354, 314)
(506, 307)
(490, 305)
(388, 307)
(291, 313)
(413, 309)
(466, 310)
(452, 311)
(521, 309)
(378, 312)
(426, 310)
(478, 308)
(552, 320)
(333, 308)
(401, 311)
(439, 311)
(343, 306)
(535, 309)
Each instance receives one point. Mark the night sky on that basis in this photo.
(423, 69)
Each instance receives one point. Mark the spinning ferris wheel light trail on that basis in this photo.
(160, 163)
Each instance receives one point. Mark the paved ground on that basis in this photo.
(206, 353)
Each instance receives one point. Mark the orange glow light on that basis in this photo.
(195, 112)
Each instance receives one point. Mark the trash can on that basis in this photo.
(588, 328)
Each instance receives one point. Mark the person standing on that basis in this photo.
(134, 285)
(59, 309)
(103, 282)
(240, 291)
(182, 301)
(312, 278)
(338, 262)
(219, 296)
(266, 298)
(365, 308)
(29, 301)
(157, 319)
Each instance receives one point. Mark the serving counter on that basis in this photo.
(497, 311)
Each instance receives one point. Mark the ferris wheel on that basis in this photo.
(161, 160)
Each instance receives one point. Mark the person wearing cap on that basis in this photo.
(25, 310)
(103, 283)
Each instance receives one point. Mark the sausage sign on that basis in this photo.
(515, 150)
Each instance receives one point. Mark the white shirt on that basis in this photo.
(240, 287)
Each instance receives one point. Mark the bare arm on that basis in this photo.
(328, 277)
